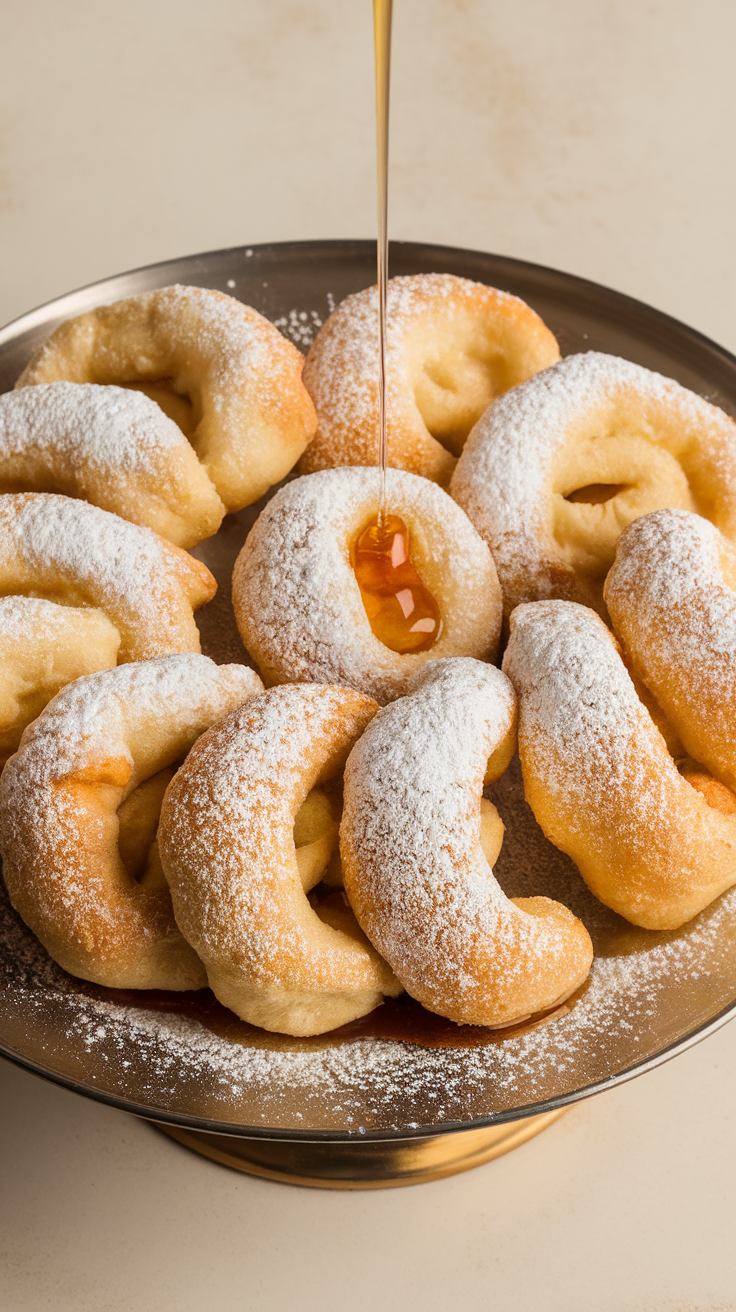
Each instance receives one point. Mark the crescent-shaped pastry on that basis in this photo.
(672, 597)
(222, 371)
(555, 470)
(44, 646)
(298, 603)
(112, 447)
(413, 860)
(227, 844)
(652, 843)
(75, 554)
(79, 810)
(452, 346)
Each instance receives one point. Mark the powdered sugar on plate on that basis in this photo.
(646, 991)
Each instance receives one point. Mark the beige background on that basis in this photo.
(593, 135)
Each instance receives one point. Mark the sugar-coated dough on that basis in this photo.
(222, 370)
(112, 447)
(413, 860)
(67, 551)
(654, 844)
(671, 595)
(44, 646)
(452, 346)
(297, 601)
(227, 844)
(625, 440)
(79, 810)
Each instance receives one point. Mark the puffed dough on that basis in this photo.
(112, 447)
(452, 346)
(221, 370)
(227, 844)
(79, 810)
(415, 870)
(44, 646)
(73, 553)
(297, 601)
(672, 597)
(555, 470)
(654, 844)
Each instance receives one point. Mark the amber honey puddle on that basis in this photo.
(401, 1019)
(402, 612)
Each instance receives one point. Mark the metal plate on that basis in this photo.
(651, 995)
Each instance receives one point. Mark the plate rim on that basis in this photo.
(586, 289)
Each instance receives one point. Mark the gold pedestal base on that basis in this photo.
(362, 1165)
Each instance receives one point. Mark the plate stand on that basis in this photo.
(363, 1164)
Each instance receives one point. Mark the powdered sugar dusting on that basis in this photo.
(341, 372)
(233, 895)
(646, 991)
(83, 555)
(504, 478)
(414, 869)
(111, 429)
(297, 600)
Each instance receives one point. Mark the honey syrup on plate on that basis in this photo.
(402, 612)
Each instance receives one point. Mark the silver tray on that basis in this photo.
(650, 996)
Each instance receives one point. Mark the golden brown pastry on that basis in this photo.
(452, 346)
(73, 553)
(222, 371)
(559, 466)
(112, 447)
(417, 867)
(654, 843)
(671, 594)
(81, 590)
(227, 844)
(297, 601)
(44, 646)
(79, 809)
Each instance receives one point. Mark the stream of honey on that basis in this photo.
(382, 13)
(402, 612)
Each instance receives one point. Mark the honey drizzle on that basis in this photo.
(402, 613)
(382, 13)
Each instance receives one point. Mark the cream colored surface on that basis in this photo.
(596, 138)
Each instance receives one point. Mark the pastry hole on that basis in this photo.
(138, 818)
(452, 391)
(715, 793)
(596, 494)
(316, 829)
(401, 611)
(491, 831)
(177, 405)
(334, 909)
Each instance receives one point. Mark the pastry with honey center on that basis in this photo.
(232, 843)
(224, 374)
(324, 592)
(452, 346)
(112, 447)
(654, 842)
(418, 841)
(556, 469)
(79, 805)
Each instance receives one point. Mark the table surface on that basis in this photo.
(594, 138)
